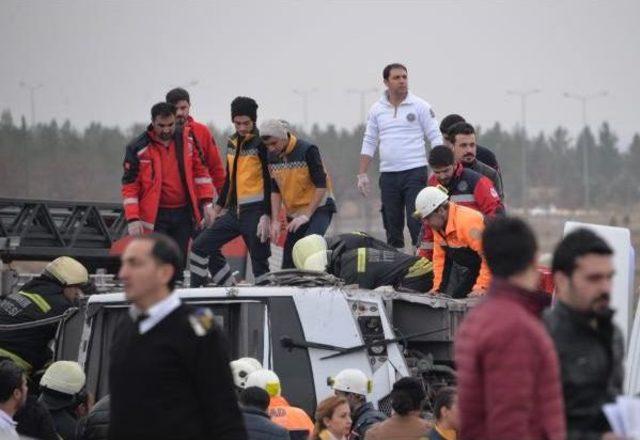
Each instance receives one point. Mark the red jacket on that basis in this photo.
(466, 188)
(210, 152)
(507, 369)
(142, 178)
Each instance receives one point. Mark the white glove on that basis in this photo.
(364, 185)
(209, 214)
(297, 222)
(275, 230)
(135, 228)
(263, 228)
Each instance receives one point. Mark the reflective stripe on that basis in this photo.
(142, 151)
(419, 268)
(200, 180)
(37, 300)
(148, 225)
(250, 199)
(426, 245)
(362, 259)
(221, 274)
(199, 271)
(198, 259)
(130, 201)
(26, 366)
(462, 198)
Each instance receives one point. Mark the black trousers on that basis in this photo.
(206, 252)
(176, 223)
(399, 190)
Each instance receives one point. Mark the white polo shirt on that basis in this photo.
(7, 426)
(400, 133)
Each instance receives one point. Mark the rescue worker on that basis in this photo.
(202, 136)
(464, 186)
(65, 397)
(241, 369)
(58, 288)
(293, 419)
(462, 137)
(13, 396)
(299, 183)
(590, 346)
(360, 259)
(398, 124)
(169, 373)
(483, 154)
(165, 186)
(246, 200)
(354, 385)
(459, 267)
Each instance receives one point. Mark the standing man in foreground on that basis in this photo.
(398, 123)
(590, 346)
(171, 355)
(166, 187)
(13, 396)
(204, 140)
(508, 371)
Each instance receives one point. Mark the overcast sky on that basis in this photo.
(110, 61)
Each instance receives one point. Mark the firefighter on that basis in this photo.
(465, 187)
(201, 135)
(241, 369)
(58, 288)
(354, 385)
(165, 186)
(299, 183)
(293, 419)
(245, 199)
(360, 259)
(459, 267)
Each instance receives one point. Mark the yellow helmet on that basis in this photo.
(307, 246)
(68, 271)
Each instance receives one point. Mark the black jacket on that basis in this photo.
(364, 418)
(96, 424)
(38, 299)
(260, 427)
(590, 350)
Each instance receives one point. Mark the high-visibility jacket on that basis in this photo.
(142, 178)
(206, 143)
(466, 188)
(461, 242)
(293, 419)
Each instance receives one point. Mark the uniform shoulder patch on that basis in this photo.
(201, 320)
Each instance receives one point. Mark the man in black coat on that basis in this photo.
(169, 375)
(255, 403)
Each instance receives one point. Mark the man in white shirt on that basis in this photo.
(13, 396)
(398, 124)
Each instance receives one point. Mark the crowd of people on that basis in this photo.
(525, 370)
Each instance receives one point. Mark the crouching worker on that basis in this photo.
(360, 259)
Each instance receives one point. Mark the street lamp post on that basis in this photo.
(304, 94)
(32, 98)
(583, 99)
(523, 95)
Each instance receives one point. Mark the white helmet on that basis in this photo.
(242, 368)
(64, 377)
(429, 199)
(307, 246)
(265, 379)
(352, 381)
(68, 271)
(316, 262)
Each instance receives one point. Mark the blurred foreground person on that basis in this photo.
(333, 419)
(447, 415)
(254, 403)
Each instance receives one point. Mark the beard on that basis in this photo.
(600, 305)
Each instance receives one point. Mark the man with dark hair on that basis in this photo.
(203, 139)
(462, 137)
(246, 197)
(507, 369)
(171, 354)
(13, 396)
(447, 415)
(590, 346)
(398, 124)
(165, 186)
(483, 154)
(465, 187)
(254, 402)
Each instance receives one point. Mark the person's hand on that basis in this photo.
(295, 224)
(476, 293)
(263, 228)
(275, 230)
(210, 214)
(135, 228)
(364, 185)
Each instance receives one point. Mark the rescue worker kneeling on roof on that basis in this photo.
(58, 288)
(300, 183)
(293, 419)
(459, 267)
(360, 259)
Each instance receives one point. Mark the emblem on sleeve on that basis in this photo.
(201, 321)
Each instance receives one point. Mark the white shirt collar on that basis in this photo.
(409, 99)
(156, 312)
